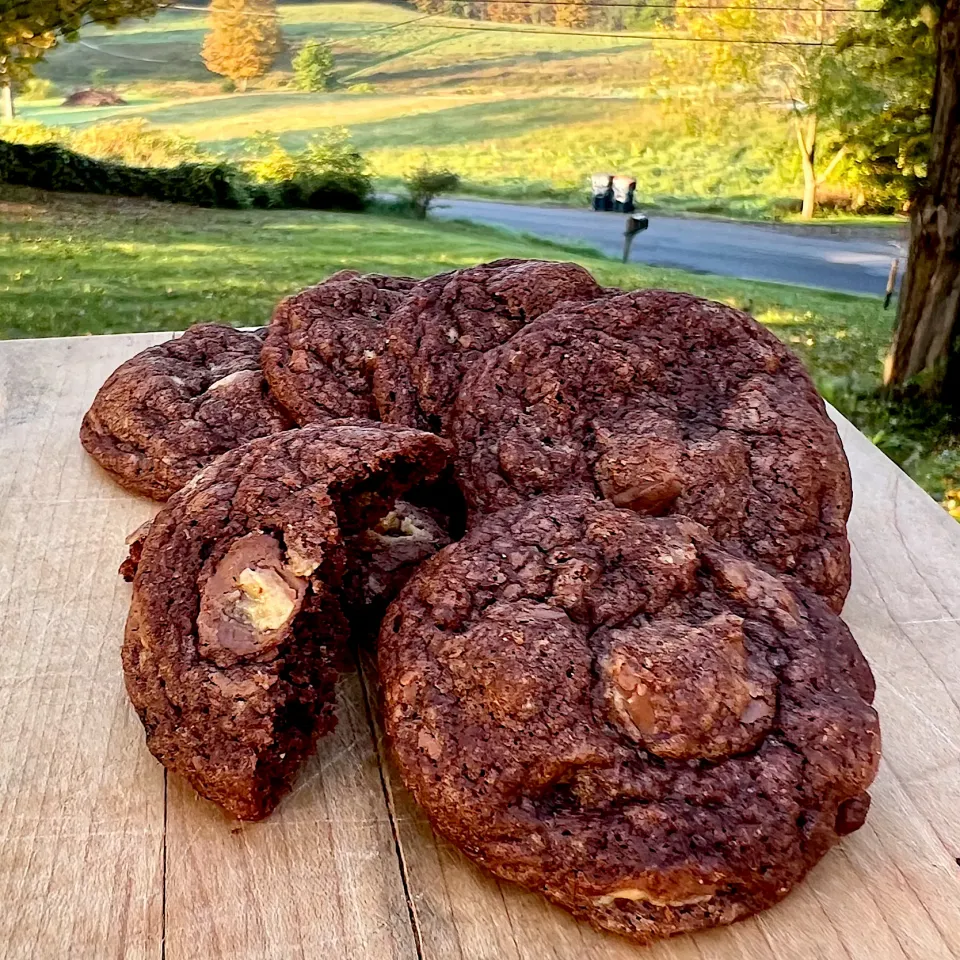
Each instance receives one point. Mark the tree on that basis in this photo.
(244, 39)
(573, 15)
(424, 185)
(926, 338)
(29, 29)
(795, 67)
(313, 66)
(890, 143)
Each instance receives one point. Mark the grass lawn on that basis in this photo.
(79, 265)
(523, 114)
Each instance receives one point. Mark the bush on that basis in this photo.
(50, 166)
(32, 131)
(361, 88)
(328, 174)
(425, 185)
(36, 88)
(313, 67)
(136, 142)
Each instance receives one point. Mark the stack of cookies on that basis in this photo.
(598, 537)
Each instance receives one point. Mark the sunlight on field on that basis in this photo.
(524, 114)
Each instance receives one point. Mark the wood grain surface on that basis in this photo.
(102, 857)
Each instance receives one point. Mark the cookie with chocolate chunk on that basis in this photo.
(322, 345)
(237, 616)
(387, 554)
(449, 320)
(167, 412)
(616, 711)
(667, 404)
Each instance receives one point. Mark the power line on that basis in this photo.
(538, 32)
(122, 56)
(606, 4)
(609, 35)
(588, 4)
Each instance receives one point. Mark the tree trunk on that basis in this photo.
(242, 85)
(927, 328)
(809, 188)
(807, 142)
(7, 112)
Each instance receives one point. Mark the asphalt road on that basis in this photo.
(706, 246)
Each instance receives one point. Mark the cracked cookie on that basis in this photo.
(167, 412)
(667, 404)
(449, 320)
(616, 711)
(322, 345)
(237, 615)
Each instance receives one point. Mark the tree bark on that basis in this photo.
(925, 340)
(7, 112)
(242, 85)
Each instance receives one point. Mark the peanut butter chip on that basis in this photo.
(249, 601)
(268, 600)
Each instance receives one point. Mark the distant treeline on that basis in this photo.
(573, 14)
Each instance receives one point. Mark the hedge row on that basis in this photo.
(48, 166)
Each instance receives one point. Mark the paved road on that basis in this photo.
(708, 246)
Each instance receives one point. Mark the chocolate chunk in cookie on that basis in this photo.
(666, 404)
(171, 409)
(237, 620)
(323, 343)
(386, 555)
(449, 320)
(614, 710)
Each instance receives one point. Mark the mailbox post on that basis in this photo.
(635, 224)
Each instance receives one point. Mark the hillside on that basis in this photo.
(525, 112)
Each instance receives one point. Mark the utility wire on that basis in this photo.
(120, 56)
(586, 4)
(609, 35)
(537, 32)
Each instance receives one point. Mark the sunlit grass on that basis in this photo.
(80, 265)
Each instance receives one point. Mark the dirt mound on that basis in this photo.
(94, 98)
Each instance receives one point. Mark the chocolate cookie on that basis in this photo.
(614, 710)
(449, 320)
(167, 412)
(236, 618)
(666, 404)
(322, 345)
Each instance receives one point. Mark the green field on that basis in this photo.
(80, 265)
(527, 114)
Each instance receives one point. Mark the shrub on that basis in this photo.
(361, 88)
(36, 88)
(313, 66)
(49, 166)
(136, 142)
(32, 131)
(425, 185)
(327, 174)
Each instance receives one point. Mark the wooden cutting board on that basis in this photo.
(103, 856)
